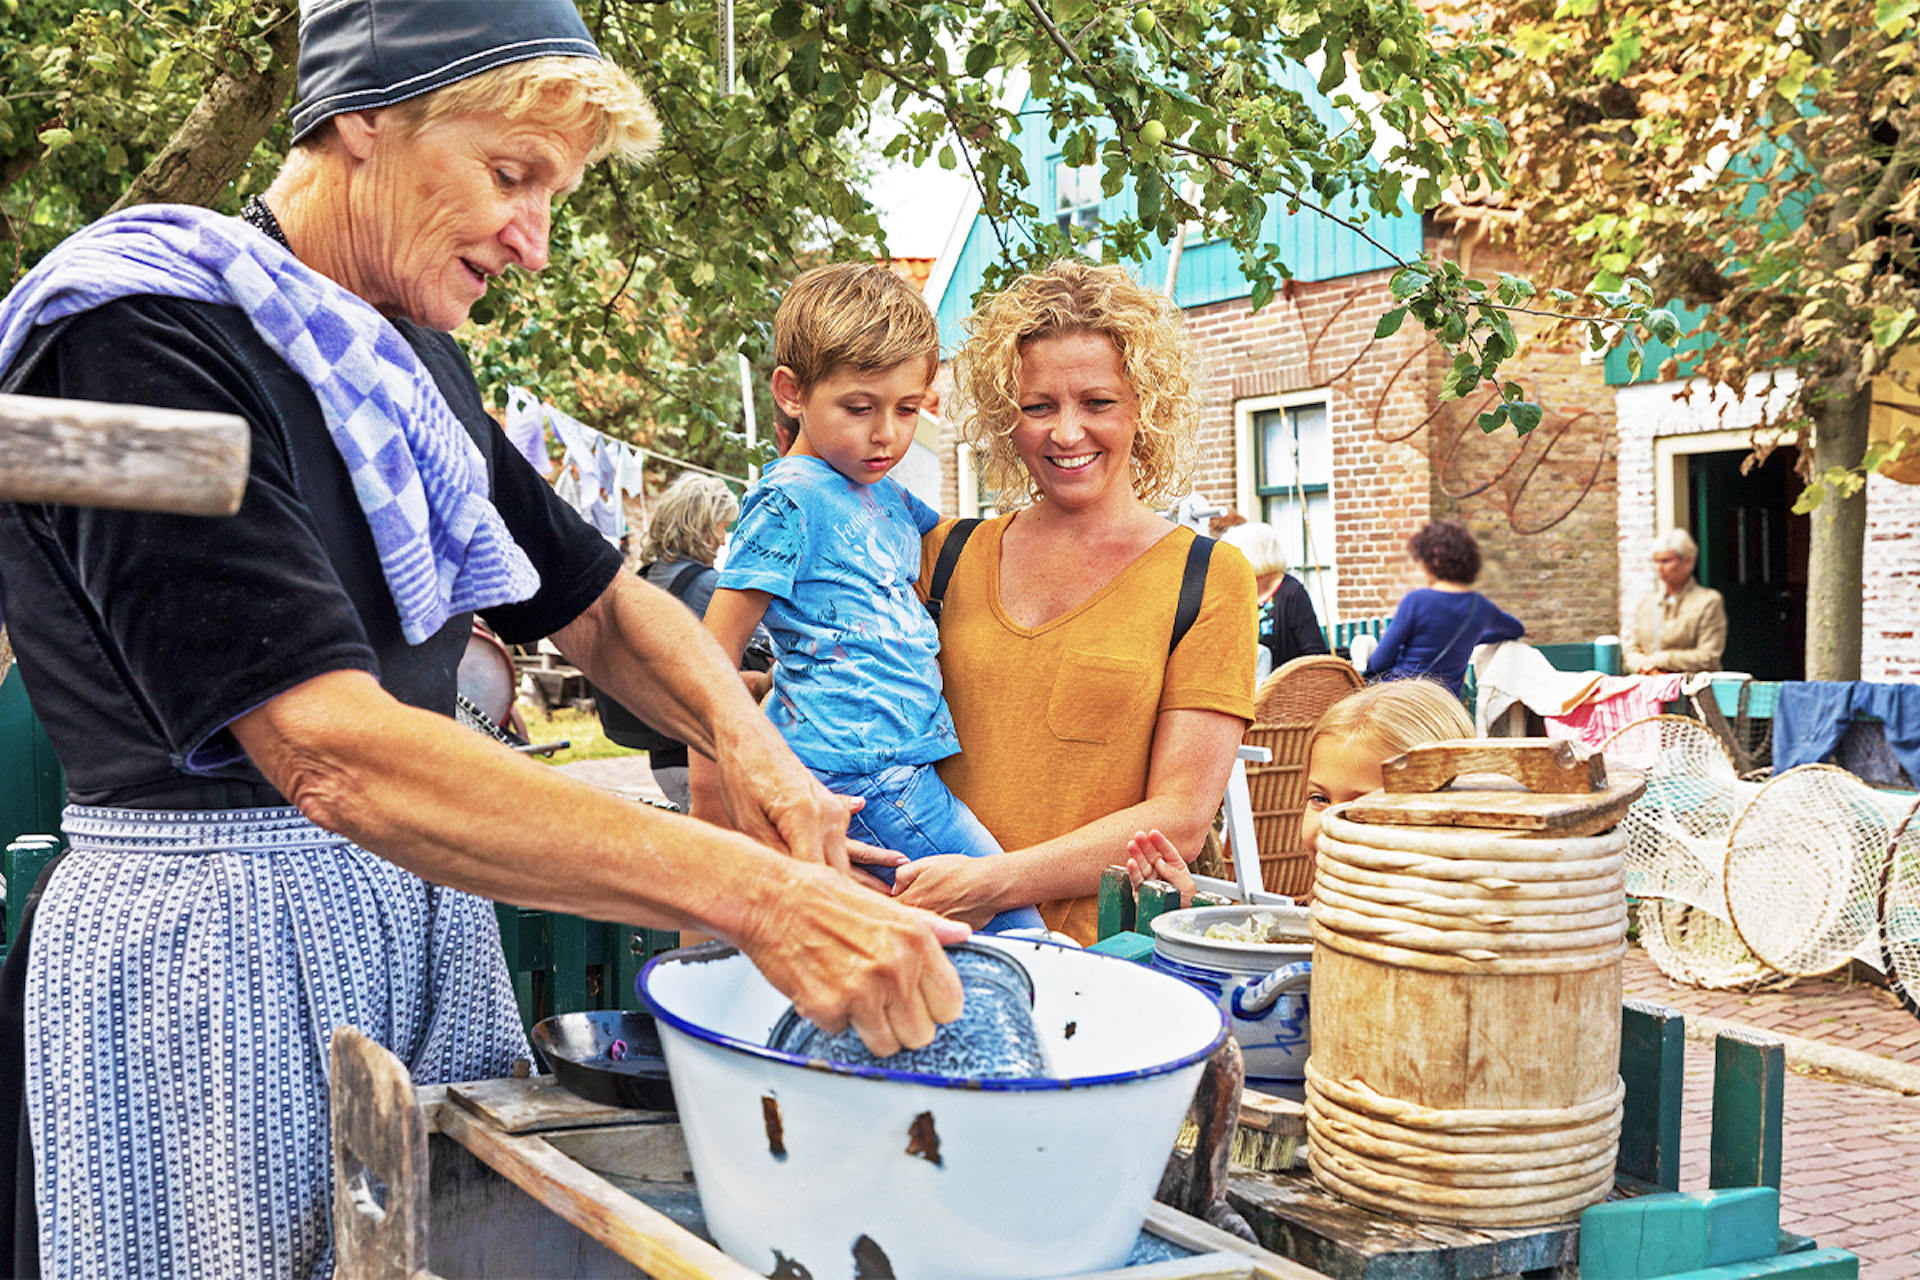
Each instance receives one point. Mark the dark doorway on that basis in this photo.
(1753, 551)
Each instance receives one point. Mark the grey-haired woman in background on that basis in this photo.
(685, 530)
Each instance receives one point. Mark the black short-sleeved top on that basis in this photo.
(142, 636)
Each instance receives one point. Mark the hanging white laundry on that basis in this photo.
(578, 438)
(567, 484)
(603, 508)
(526, 428)
(633, 478)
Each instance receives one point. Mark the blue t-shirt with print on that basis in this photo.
(856, 685)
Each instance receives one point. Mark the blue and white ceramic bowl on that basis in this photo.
(1261, 987)
(994, 1037)
(843, 1168)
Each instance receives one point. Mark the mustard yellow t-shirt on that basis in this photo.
(1056, 722)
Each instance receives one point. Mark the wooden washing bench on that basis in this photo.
(520, 1178)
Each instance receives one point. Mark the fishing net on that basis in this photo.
(1806, 862)
(1900, 912)
(1677, 830)
(1677, 847)
(1696, 947)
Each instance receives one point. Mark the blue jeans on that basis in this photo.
(910, 811)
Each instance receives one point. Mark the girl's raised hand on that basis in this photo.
(1151, 856)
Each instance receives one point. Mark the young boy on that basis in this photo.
(827, 551)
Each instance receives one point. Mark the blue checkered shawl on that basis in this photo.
(419, 477)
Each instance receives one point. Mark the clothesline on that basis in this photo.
(597, 472)
(691, 466)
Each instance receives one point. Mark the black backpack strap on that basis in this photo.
(685, 576)
(1193, 590)
(943, 567)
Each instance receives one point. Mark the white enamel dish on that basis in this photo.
(840, 1169)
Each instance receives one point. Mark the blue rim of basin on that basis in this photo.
(698, 1032)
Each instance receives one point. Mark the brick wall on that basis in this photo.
(1320, 335)
(1890, 606)
(1542, 508)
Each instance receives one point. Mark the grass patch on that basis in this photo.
(581, 729)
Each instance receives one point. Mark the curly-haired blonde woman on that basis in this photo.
(1080, 721)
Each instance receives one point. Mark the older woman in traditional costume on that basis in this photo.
(273, 817)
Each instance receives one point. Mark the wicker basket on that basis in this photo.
(1288, 704)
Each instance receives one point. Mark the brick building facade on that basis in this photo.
(1665, 440)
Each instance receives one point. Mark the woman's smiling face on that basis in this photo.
(1078, 415)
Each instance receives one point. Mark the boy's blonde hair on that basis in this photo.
(858, 314)
(1072, 297)
(1389, 718)
(683, 521)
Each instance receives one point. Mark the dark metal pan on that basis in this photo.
(609, 1056)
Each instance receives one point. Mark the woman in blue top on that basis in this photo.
(1436, 626)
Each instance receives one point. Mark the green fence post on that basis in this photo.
(1653, 1046)
(1157, 897)
(1749, 1079)
(32, 788)
(519, 939)
(1116, 902)
(26, 858)
(573, 950)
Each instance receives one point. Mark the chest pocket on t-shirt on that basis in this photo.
(1095, 696)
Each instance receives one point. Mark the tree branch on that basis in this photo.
(1292, 195)
(212, 145)
(1059, 38)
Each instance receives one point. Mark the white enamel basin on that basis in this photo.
(809, 1163)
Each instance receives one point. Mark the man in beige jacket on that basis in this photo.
(1683, 625)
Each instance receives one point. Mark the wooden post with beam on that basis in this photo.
(135, 457)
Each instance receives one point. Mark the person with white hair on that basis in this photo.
(1288, 627)
(1683, 625)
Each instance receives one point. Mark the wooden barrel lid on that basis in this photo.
(1521, 786)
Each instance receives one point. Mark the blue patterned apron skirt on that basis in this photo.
(186, 970)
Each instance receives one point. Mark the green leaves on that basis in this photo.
(1390, 323)
(1619, 55)
(1893, 17)
(1889, 326)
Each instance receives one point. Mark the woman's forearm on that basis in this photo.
(1192, 757)
(1070, 866)
(457, 809)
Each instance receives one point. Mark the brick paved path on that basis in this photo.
(1850, 1168)
(1834, 1011)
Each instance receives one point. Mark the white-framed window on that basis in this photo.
(1076, 196)
(1284, 465)
(976, 500)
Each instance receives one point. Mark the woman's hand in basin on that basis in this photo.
(849, 957)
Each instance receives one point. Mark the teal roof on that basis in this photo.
(1655, 353)
(1313, 247)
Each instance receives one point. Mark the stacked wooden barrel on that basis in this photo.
(1466, 986)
